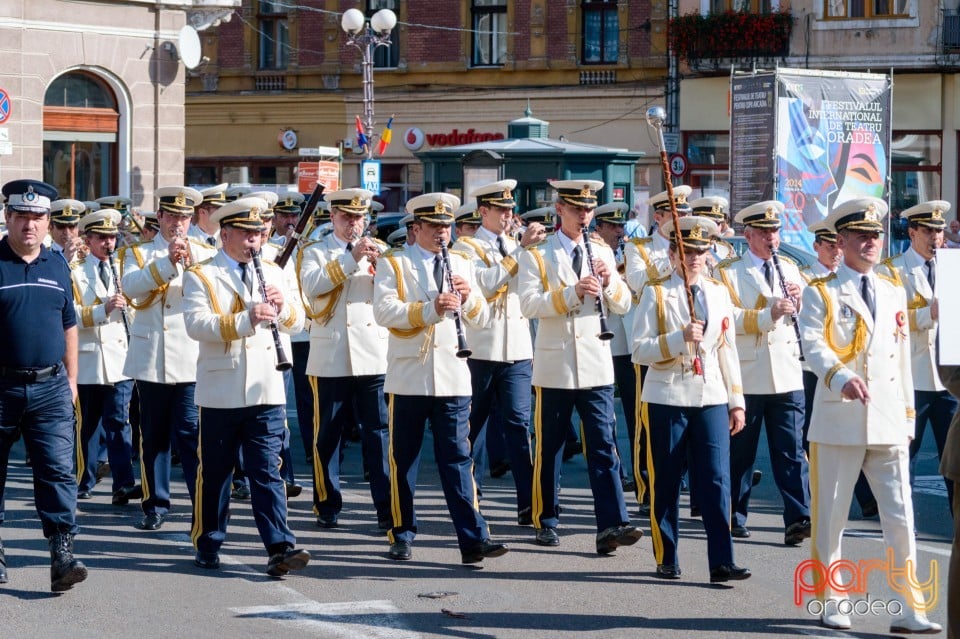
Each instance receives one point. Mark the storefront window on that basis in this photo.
(708, 161)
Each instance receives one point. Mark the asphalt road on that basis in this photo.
(144, 584)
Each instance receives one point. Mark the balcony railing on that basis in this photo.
(951, 30)
(730, 36)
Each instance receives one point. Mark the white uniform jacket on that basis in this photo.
(345, 340)
(658, 343)
(568, 352)
(200, 235)
(160, 350)
(646, 258)
(507, 337)
(422, 353)
(769, 350)
(909, 269)
(237, 363)
(841, 340)
(622, 325)
(102, 338)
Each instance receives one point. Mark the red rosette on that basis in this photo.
(725, 324)
(901, 319)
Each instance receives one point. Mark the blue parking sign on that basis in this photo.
(370, 175)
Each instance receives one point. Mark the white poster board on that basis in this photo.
(948, 294)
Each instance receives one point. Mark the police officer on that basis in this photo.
(501, 363)
(770, 365)
(348, 354)
(427, 381)
(38, 372)
(856, 340)
(916, 269)
(161, 357)
(692, 395)
(572, 366)
(104, 391)
(231, 305)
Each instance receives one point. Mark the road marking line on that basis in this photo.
(876, 535)
(377, 619)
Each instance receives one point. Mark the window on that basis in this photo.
(386, 57)
(601, 32)
(489, 32)
(709, 163)
(867, 8)
(81, 123)
(274, 34)
(751, 6)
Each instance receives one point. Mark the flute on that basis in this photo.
(783, 289)
(605, 332)
(462, 350)
(283, 363)
(116, 285)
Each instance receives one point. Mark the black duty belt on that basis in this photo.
(28, 375)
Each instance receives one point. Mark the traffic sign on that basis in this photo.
(370, 175)
(671, 142)
(6, 107)
(678, 164)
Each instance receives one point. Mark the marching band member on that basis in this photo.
(770, 365)
(414, 291)
(348, 354)
(572, 366)
(692, 396)
(862, 418)
(239, 390)
(466, 220)
(65, 230)
(716, 208)
(203, 229)
(161, 357)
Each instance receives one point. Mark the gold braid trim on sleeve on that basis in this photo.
(335, 272)
(911, 413)
(86, 316)
(415, 314)
(511, 265)
(228, 327)
(831, 373)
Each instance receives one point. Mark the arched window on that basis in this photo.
(80, 129)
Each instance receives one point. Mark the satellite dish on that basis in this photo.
(189, 45)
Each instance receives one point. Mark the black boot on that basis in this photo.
(3, 565)
(65, 571)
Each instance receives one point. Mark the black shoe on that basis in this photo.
(401, 551)
(644, 509)
(125, 494)
(525, 517)
(500, 469)
(283, 562)
(870, 510)
(616, 536)
(103, 471)
(797, 532)
(629, 484)
(756, 477)
(571, 449)
(485, 549)
(207, 560)
(694, 511)
(3, 565)
(739, 532)
(150, 522)
(84, 495)
(65, 570)
(240, 491)
(293, 489)
(671, 571)
(548, 536)
(327, 521)
(728, 572)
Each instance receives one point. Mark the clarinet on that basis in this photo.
(463, 351)
(605, 332)
(116, 285)
(783, 289)
(283, 364)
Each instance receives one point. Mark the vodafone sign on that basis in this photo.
(414, 138)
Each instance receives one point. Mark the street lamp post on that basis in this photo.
(366, 37)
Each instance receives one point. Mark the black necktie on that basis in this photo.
(866, 292)
(932, 273)
(577, 259)
(768, 273)
(501, 246)
(104, 271)
(698, 304)
(349, 247)
(438, 272)
(212, 241)
(245, 278)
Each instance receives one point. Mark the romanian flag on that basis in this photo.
(385, 137)
(362, 140)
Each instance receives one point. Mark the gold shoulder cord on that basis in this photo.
(662, 327)
(404, 333)
(324, 315)
(154, 294)
(857, 344)
(652, 272)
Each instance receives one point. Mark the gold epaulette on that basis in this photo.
(657, 281)
(194, 240)
(641, 240)
(787, 259)
(380, 243)
(393, 251)
(74, 264)
(534, 246)
(727, 262)
(596, 239)
(460, 253)
(196, 267)
(711, 280)
(271, 263)
(822, 280)
(894, 276)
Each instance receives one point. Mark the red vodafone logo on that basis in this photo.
(413, 138)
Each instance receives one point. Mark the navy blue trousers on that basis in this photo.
(625, 374)
(449, 421)
(507, 386)
(303, 395)
(339, 400)
(935, 408)
(258, 431)
(782, 415)
(702, 436)
(551, 423)
(167, 411)
(103, 410)
(42, 412)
